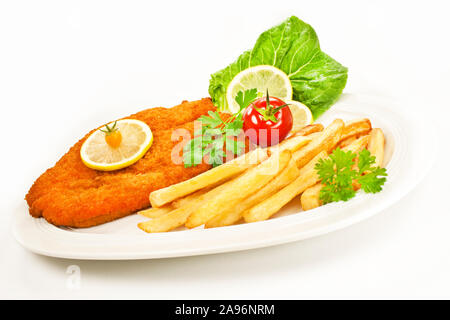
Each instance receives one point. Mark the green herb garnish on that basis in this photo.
(370, 177)
(244, 98)
(337, 175)
(216, 133)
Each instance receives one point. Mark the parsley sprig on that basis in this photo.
(338, 173)
(208, 142)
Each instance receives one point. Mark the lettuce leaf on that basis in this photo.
(293, 46)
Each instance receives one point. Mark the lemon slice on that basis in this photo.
(262, 78)
(301, 115)
(137, 138)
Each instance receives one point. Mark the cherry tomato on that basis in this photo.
(267, 121)
(114, 139)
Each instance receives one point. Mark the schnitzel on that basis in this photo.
(73, 195)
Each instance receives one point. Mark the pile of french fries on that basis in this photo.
(255, 186)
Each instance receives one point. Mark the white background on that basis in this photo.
(66, 67)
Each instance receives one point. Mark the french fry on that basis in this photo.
(376, 146)
(308, 129)
(295, 140)
(156, 212)
(310, 198)
(178, 203)
(346, 142)
(265, 209)
(314, 135)
(238, 189)
(358, 144)
(291, 144)
(325, 141)
(356, 127)
(353, 130)
(178, 217)
(169, 221)
(290, 173)
(160, 197)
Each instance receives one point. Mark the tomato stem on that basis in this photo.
(270, 111)
(110, 130)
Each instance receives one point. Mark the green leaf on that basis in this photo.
(373, 181)
(213, 120)
(365, 160)
(244, 98)
(214, 156)
(325, 170)
(342, 159)
(214, 151)
(192, 152)
(337, 176)
(317, 80)
(234, 128)
(371, 178)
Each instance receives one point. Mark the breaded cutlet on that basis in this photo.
(73, 195)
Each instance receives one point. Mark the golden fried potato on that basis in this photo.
(325, 141)
(307, 177)
(223, 172)
(356, 127)
(310, 198)
(346, 142)
(233, 215)
(156, 212)
(239, 188)
(169, 221)
(292, 144)
(178, 216)
(357, 145)
(307, 130)
(178, 203)
(376, 146)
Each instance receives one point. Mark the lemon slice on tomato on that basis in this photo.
(301, 115)
(97, 153)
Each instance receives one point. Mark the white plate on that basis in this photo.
(410, 150)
